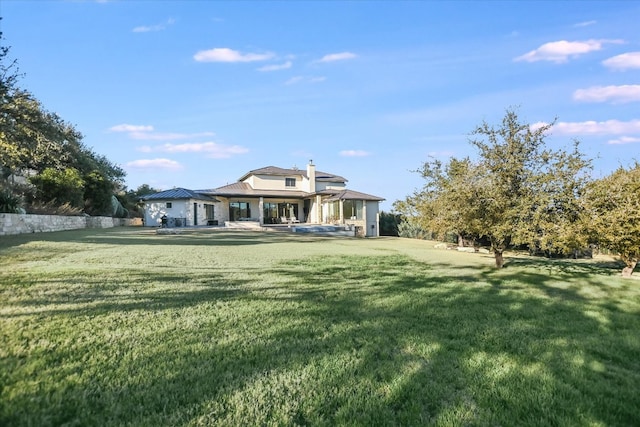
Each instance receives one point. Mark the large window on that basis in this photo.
(239, 210)
(289, 182)
(352, 209)
(270, 213)
(288, 210)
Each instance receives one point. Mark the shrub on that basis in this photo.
(9, 201)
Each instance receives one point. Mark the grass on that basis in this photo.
(125, 327)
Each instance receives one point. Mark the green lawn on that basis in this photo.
(125, 327)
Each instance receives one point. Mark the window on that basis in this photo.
(210, 210)
(239, 210)
(352, 209)
(288, 210)
(270, 212)
(289, 182)
(168, 205)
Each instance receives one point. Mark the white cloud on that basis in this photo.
(223, 54)
(624, 140)
(210, 149)
(561, 51)
(623, 62)
(294, 80)
(157, 27)
(614, 94)
(276, 67)
(445, 153)
(166, 136)
(338, 57)
(153, 164)
(354, 153)
(146, 133)
(608, 127)
(131, 128)
(585, 24)
(305, 79)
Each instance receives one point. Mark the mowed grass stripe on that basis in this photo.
(124, 327)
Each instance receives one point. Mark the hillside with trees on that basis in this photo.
(45, 166)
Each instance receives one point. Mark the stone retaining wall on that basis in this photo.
(27, 223)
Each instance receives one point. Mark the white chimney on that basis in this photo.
(311, 174)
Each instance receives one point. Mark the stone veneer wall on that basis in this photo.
(27, 223)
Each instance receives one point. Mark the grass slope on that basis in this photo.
(124, 327)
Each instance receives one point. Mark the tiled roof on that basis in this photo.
(178, 193)
(353, 195)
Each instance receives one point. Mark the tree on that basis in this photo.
(613, 205)
(60, 187)
(516, 192)
(389, 223)
(39, 141)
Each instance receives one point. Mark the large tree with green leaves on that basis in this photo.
(613, 206)
(37, 141)
(516, 192)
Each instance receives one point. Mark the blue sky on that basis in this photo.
(194, 94)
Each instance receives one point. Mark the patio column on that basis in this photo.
(341, 211)
(261, 210)
(318, 209)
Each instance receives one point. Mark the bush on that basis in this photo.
(61, 187)
(9, 201)
(413, 231)
(52, 208)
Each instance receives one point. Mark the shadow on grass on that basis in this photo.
(342, 340)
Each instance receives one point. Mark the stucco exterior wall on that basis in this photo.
(153, 211)
(373, 226)
(268, 182)
(330, 186)
(11, 224)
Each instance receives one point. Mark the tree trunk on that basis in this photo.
(499, 258)
(460, 240)
(628, 270)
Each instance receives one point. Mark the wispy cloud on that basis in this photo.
(131, 128)
(210, 149)
(624, 140)
(167, 136)
(155, 164)
(614, 94)
(623, 62)
(561, 51)
(445, 153)
(157, 27)
(354, 153)
(276, 67)
(305, 79)
(608, 127)
(223, 54)
(332, 57)
(585, 24)
(146, 133)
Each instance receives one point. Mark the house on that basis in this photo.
(180, 206)
(273, 195)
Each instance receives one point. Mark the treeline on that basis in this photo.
(45, 167)
(519, 192)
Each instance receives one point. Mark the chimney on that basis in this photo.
(311, 174)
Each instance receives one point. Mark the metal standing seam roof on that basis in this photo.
(276, 171)
(353, 195)
(244, 189)
(179, 193)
